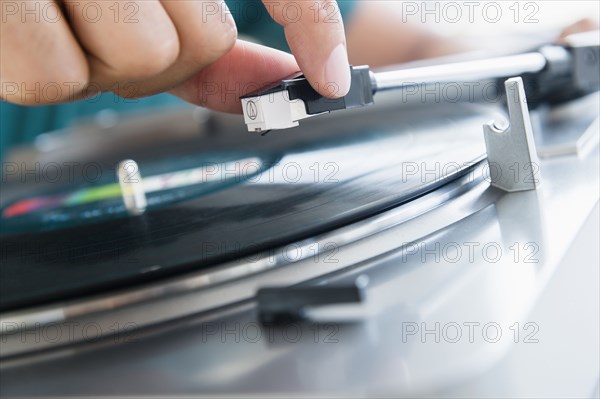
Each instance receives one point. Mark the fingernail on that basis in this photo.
(337, 72)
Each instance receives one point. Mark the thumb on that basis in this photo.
(245, 68)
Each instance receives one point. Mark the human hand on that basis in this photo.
(59, 52)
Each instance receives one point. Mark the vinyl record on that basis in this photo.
(227, 195)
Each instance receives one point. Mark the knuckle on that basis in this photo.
(229, 35)
(42, 87)
(143, 62)
(208, 46)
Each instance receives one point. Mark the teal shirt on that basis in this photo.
(20, 124)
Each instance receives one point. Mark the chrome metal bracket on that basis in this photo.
(512, 158)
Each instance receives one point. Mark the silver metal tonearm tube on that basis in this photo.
(513, 65)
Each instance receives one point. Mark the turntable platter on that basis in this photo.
(208, 207)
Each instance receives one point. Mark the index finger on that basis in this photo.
(315, 33)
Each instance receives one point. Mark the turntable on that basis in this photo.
(406, 248)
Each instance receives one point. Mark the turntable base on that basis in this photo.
(469, 288)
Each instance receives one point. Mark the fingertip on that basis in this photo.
(319, 47)
(337, 73)
(245, 68)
